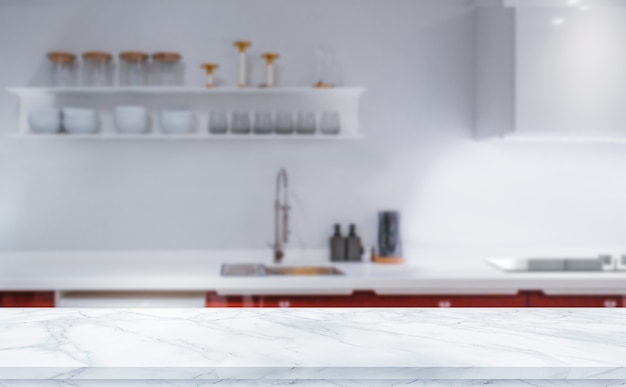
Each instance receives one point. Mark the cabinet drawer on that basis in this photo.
(279, 301)
(27, 299)
(310, 301)
(215, 300)
(444, 301)
(541, 300)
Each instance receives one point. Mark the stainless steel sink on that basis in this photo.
(303, 270)
(258, 270)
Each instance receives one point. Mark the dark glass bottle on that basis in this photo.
(354, 249)
(337, 246)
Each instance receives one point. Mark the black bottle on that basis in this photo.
(354, 249)
(337, 246)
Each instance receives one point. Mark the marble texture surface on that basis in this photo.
(312, 383)
(312, 344)
(427, 271)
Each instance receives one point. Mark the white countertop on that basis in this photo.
(278, 344)
(426, 272)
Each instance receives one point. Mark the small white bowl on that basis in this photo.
(130, 111)
(81, 125)
(131, 119)
(45, 120)
(78, 112)
(126, 125)
(177, 121)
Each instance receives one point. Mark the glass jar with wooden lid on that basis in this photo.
(62, 69)
(167, 69)
(97, 68)
(134, 68)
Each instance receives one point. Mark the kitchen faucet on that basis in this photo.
(281, 230)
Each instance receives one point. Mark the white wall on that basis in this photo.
(418, 155)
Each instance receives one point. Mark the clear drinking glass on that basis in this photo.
(329, 123)
(284, 123)
(97, 68)
(241, 123)
(133, 68)
(305, 123)
(62, 69)
(167, 69)
(218, 122)
(263, 123)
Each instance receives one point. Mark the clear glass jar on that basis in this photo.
(133, 68)
(62, 69)
(167, 69)
(97, 69)
(330, 123)
(305, 123)
(263, 123)
(284, 123)
(241, 123)
(218, 122)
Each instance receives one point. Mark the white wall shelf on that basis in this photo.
(344, 100)
(191, 136)
(115, 90)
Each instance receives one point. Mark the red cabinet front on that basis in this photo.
(540, 300)
(367, 299)
(27, 299)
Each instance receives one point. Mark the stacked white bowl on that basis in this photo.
(80, 121)
(131, 119)
(177, 121)
(45, 120)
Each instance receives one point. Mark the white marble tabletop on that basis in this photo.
(312, 344)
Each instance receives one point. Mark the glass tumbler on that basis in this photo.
(62, 68)
(97, 69)
(133, 68)
(305, 123)
(329, 124)
(167, 69)
(263, 123)
(284, 123)
(241, 123)
(218, 122)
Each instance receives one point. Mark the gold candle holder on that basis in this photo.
(270, 57)
(242, 45)
(210, 68)
(323, 85)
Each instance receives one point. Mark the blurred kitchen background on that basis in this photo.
(418, 154)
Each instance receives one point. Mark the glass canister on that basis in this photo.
(62, 69)
(97, 68)
(133, 68)
(167, 69)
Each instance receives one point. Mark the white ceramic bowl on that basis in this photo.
(78, 112)
(131, 125)
(130, 111)
(81, 125)
(131, 119)
(177, 121)
(45, 120)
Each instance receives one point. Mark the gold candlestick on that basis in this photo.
(270, 57)
(242, 45)
(210, 68)
(323, 85)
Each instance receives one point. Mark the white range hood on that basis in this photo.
(551, 73)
